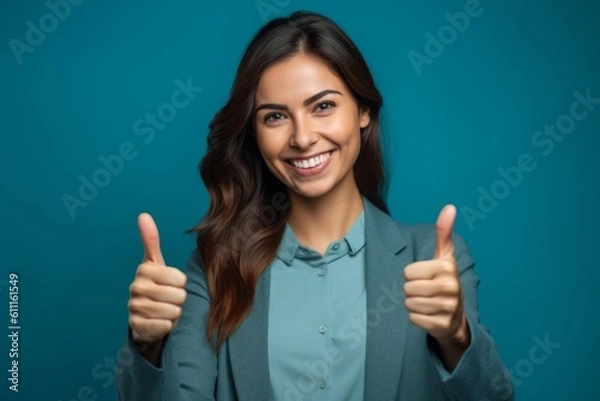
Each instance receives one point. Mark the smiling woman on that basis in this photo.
(307, 127)
(327, 298)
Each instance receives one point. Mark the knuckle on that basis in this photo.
(454, 304)
(137, 288)
(143, 269)
(184, 279)
(181, 296)
(450, 286)
(178, 277)
(136, 304)
(408, 271)
(448, 266)
(443, 324)
(134, 321)
(167, 326)
(450, 305)
(134, 288)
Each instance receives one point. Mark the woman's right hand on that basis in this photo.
(157, 292)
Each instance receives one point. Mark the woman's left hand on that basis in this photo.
(433, 291)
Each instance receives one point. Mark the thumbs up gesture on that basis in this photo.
(432, 288)
(157, 292)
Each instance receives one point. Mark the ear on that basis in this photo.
(365, 117)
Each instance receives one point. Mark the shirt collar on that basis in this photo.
(355, 238)
(288, 246)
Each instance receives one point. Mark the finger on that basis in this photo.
(150, 309)
(144, 326)
(421, 270)
(431, 288)
(150, 239)
(163, 275)
(443, 232)
(431, 305)
(433, 324)
(160, 293)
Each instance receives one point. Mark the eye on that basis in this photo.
(324, 106)
(272, 117)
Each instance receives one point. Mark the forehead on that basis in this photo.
(295, 79)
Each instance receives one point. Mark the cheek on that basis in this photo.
(270, 144)
(346, 131)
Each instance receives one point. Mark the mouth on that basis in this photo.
(311, 162)
(312, 166)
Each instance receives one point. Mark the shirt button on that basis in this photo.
(321, 272)
(336, 247)
(322, 384)
(322, 329)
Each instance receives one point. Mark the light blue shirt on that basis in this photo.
(317, 319)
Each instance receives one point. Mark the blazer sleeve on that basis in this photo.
(480, 374)
(188, 364)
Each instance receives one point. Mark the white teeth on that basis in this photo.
(312, 162)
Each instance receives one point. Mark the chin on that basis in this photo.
(313, 189)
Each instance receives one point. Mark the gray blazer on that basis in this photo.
(401, 363)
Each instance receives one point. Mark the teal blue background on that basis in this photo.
(473, 109)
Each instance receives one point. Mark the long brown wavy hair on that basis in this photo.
(241, 231)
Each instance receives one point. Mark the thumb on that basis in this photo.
(443, 232)
(150, 239)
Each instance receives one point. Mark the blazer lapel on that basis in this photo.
(387, 318)
(248, 348)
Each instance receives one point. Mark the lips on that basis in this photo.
(320, 163)
(307, 158)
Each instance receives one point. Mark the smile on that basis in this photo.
(311, 167)
(312, 162)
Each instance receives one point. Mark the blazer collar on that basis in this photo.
(387, 318)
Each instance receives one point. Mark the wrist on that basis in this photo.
(460, 338)
(143, 345)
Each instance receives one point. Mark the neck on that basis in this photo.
(319, 221)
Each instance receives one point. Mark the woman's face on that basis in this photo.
(307, 125)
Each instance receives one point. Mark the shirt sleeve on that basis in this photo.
(480, 374)
(188, 364)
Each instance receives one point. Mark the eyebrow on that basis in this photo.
(306, 102)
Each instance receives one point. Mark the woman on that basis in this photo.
(302, 287)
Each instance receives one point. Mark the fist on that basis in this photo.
(157, 292)
(432, 287)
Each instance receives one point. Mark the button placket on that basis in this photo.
(322, 320)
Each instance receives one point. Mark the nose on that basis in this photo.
(303, 136)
